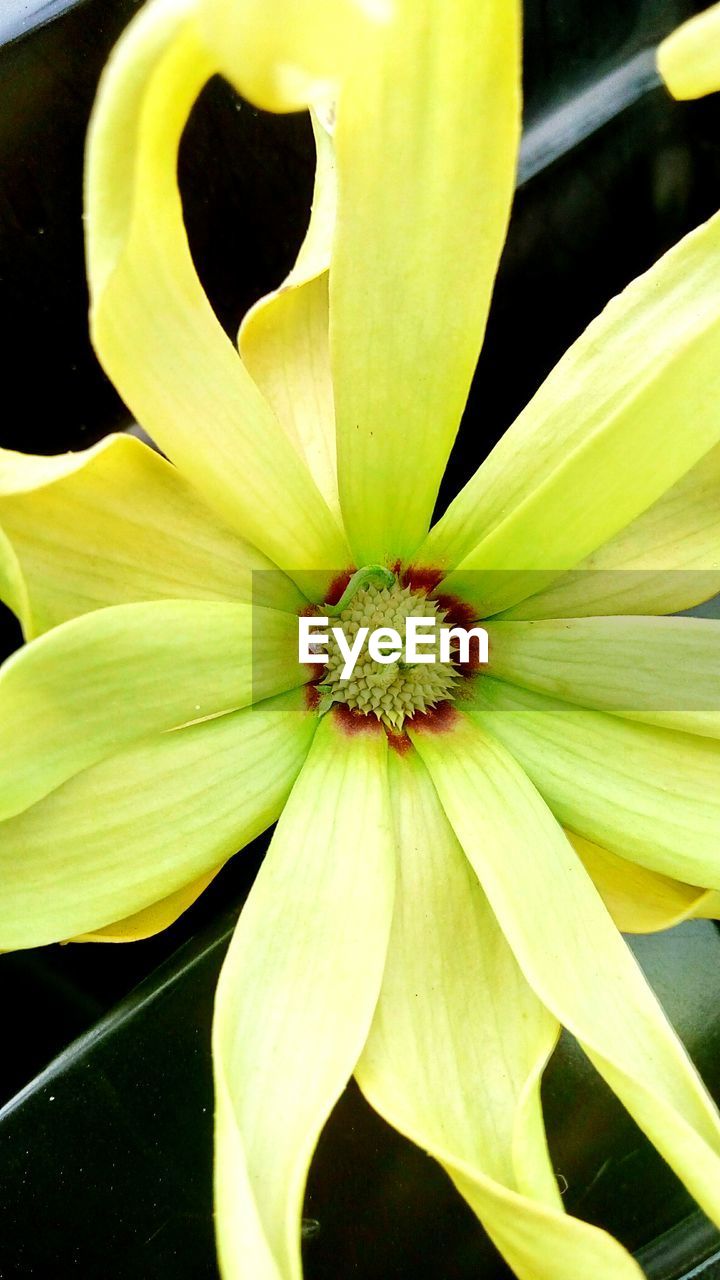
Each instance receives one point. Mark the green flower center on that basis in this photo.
(393, 691)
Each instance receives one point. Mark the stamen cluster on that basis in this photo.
(396, 691)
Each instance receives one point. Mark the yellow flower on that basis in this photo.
(421, 918)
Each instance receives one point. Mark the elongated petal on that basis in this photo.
(689, 58)
(642, 901)
(649, 794)
(287, 54)
(666, 560)
(426, 142)
(285, 339)
(599, 442)
(92, 686)
(151, 321)
(145, 823)
(296, 997)
(153, 919)
(571, 953)
(116, 524)
(458, 1044)
(662, 671)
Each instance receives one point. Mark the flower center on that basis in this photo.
(392, 691)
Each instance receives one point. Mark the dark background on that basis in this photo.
(105, 1158)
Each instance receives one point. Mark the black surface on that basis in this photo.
(105, 1161)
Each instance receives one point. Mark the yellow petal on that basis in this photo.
(642, 901)
(286, 54)
(666, 560)
(90, 687)
(663, 671)
(140, 826)
(116, 524)
(689, 58)
(458, 1045)
(285, 340)
(426, 141)
(649, 794)
(296, 997)
(153, 919)
(599, 441)
(13, 590)
(152, 324)
(571, 953)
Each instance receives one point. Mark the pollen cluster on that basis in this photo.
(395, 691)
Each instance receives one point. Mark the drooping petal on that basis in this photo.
(152, 324)
(599, 442)
(115, 524)
(689, 58)
(649, 794)
(140, 826)
(663, 671)
(569, 950)
(426, 139)
(285, 339)
(153, 919)
(458, 1045)
(296, 996)
(92, 686)
(666, 560)
(642, 901)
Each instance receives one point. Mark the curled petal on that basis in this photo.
(288, 54)
(285, 338)
(151, 322)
